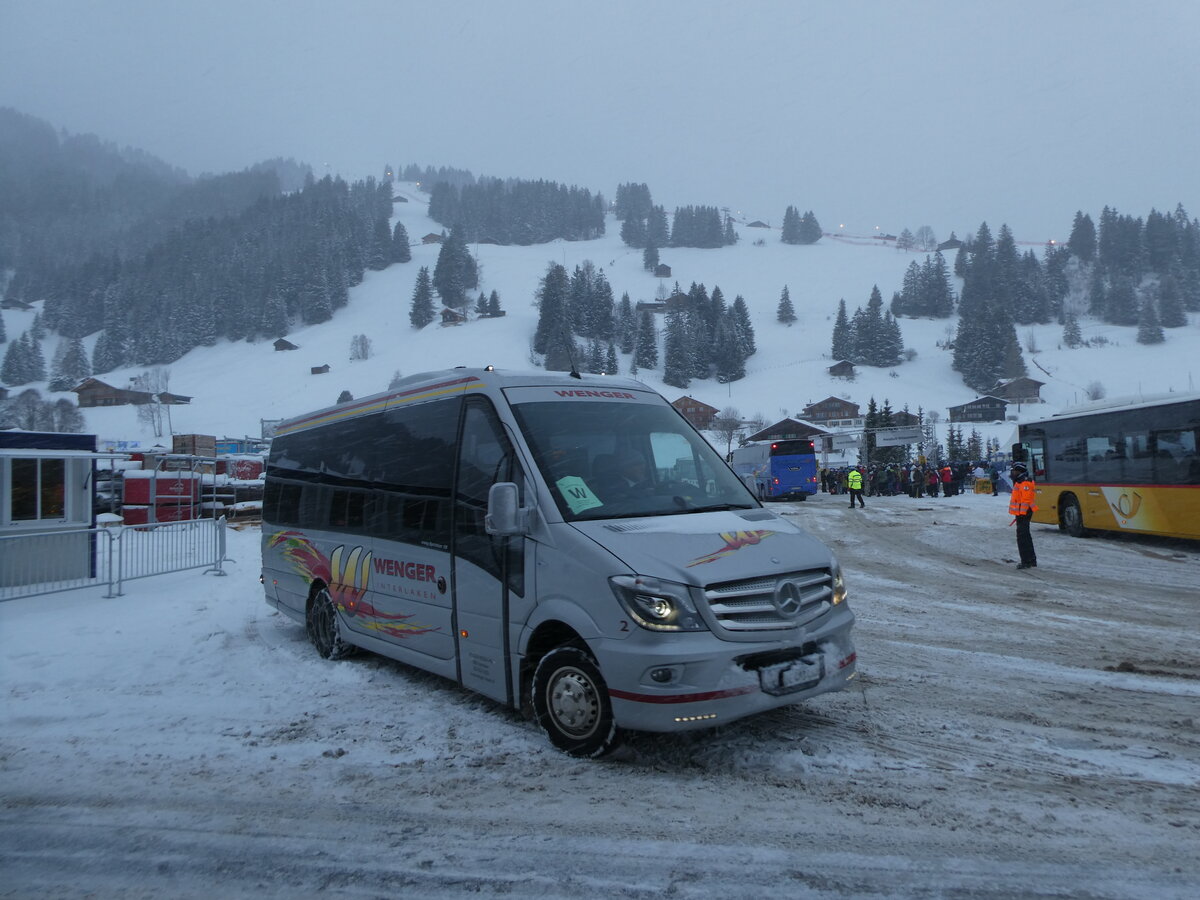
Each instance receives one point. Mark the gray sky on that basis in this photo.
(871, 114)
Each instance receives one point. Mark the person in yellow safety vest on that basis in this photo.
(854, 481)
(1021, 507)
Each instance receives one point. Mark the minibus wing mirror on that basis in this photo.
(504, 513)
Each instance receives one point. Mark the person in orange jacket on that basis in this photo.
(1021, 507)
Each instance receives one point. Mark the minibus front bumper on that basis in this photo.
(700, 681)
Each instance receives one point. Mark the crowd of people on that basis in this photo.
(910, 480)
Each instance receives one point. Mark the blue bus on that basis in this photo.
(780, 470)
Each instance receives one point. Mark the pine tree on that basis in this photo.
(401, 252)
(1121, 304)
(1171, 313)
(785, 313)
(939, 295)
(645, 353)
(36, 361)
(727, 352)
(790, 232)
(493, 304)
(891, 352)
(1082, 242)
(379, 252)
(610, 360)
(842, 347)
(677, 361)
(421, 312)
(274, 320)
(1072, 336)
(810, 229)
(1149, 329)
(650, 258)
(595, 358)
(455, 271)
(626, 325)
(657, 231)
(552, 337)
(71, 368)
(745, 329)
(15, 369)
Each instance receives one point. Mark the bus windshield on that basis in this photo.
(608, 460)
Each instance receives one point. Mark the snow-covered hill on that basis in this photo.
(235, 385)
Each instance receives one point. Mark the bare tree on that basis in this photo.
(727, 423)
(1095, 391)
(154, 382)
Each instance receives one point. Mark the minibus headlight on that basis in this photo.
(657, 605)
(839, 583)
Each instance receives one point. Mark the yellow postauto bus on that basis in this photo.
(1127, 466)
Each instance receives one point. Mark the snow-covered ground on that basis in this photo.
(1012, 733)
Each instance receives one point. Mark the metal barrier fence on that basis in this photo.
(47, 562)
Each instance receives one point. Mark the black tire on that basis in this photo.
(324, 628)
(1070, 516)
(571, 703)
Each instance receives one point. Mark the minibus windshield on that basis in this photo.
(615, 459)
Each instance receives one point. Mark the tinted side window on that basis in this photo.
(388, 475)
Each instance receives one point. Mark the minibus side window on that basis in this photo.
(411, 466)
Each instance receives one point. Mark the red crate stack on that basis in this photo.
(160, 496)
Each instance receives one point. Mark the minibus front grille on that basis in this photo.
(772, 603)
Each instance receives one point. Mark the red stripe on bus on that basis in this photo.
(682, 698)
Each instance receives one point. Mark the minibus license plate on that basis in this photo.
(793, 675)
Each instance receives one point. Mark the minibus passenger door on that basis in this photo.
(489, 570)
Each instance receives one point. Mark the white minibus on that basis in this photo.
(570, 546)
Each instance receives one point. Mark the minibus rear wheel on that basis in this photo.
(324, 629)
(570, 700)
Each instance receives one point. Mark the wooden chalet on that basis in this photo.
(788, 429)
(93, 392)
(1019, 390)
(952, 244)
(662, 270)
(285, 344)
(699, 413)
(981, 409)
(843, 369)
(432, 238)
(319, 370)
(833, 412)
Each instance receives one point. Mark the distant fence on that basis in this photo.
(47, 562)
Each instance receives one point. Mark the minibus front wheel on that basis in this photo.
(324, 629)
(570, 700)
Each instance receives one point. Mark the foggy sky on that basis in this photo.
(886, 114)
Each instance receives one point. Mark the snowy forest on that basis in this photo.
(114, 243)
